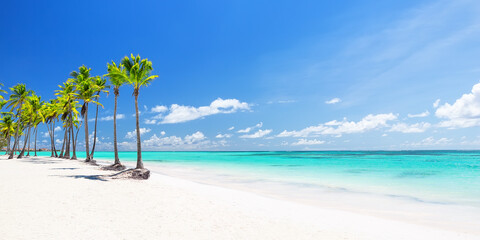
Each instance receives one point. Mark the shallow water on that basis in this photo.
(444, 177)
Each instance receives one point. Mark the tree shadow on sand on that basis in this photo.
(89, 177)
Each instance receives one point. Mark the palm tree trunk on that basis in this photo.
(51, 142)
(8, 144)
(139, 144)
(16, 133)
(94, 134)
(63, 144)
(85, 119)
(115, 147)
(35, 143)
(29, 140)
(67, 144)
(25, 140)
(53, 139)
(74, 150)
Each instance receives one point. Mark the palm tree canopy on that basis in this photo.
(138, 71)
(18, 96)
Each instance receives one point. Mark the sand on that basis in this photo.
(48, 198)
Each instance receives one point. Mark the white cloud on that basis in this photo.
(162, 133)
(189, 141)
(333, 101)
(150, 121)
(196, 137)
(384, 135)
(308, 142)
(231, 128)
(436, 103)
(178, 113)
(465, 112)
(57, 128)
(369, 122)
(260, 133)
(223, 136)
(248, 129)
(110, 118)
(412, 128)
(430, 141)
(133, 134)
(419, 115)
(159, 109)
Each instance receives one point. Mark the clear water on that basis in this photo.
(430, 176)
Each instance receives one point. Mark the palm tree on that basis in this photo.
(2, 91)
(50, 114)
(86, 91)
(16, 101)
(116, 75)
(138, 74)
(67, 98)
(7, 128)
(102, 86)
(31, 109)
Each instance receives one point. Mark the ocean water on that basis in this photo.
(442, 177)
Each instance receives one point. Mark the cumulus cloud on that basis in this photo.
(333, 101)
(179, 113)
(436, 103)
(133, 134)
(223, 135)
(308, 142)
(335, 127)
(412, 128)
(110, 118)
(260, 133)
(465, 112)
(419, 115)
(159, 109)
(231, 128)
(195, 139)
(248, 129)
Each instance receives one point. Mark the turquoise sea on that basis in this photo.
(426, 176)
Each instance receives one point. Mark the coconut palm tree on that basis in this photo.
(86, 90)
(116, 74)
(67, 98)
(102, 86)
(31, 108)
(50, 114)
(17, 99)
(7, 129)
(138, 74)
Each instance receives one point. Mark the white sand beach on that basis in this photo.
(48, 198)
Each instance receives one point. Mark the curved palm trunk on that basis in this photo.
(85, 119)
(16, 133)
(94, 134)
(35, 143)
(115, 147)
(25, 140)
(139, 144)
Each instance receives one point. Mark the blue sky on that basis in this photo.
(286, 75)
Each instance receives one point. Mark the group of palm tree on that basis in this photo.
(26, 111)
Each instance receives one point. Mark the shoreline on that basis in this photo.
(39, 193)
